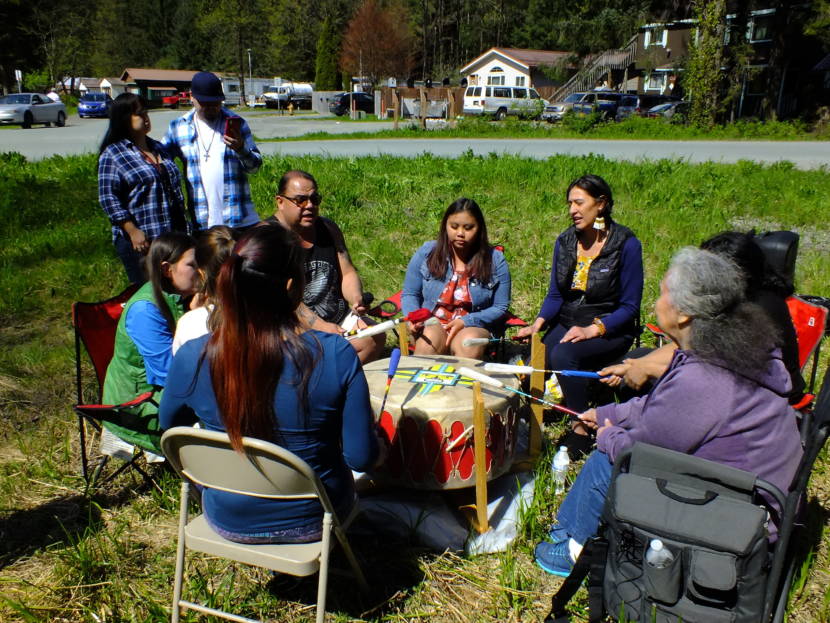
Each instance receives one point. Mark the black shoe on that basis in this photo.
(579, 446)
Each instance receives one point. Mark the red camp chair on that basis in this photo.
(95, 325)
(810, 322)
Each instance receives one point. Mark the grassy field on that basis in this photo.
(633, 128)
(66, 556)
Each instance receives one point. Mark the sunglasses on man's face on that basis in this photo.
(314, 199)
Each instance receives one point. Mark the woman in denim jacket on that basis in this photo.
(462, 280)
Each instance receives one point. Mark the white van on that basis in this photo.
(501, 101)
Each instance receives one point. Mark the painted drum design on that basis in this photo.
(428, 422)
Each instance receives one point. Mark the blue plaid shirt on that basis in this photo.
(131, 189)
(239, 211)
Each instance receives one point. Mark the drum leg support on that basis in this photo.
(479, 518)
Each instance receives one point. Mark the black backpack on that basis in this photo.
(711, 517)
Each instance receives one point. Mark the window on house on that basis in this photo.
(520, 81)
(655, 36)
(233, 88)
(656, 81)
(760, 28)
(496, 76)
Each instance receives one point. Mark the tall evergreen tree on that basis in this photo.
(326, 75)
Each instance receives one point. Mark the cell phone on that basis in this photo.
(233, 126)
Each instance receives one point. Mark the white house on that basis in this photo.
(513, 67)
(115, 87)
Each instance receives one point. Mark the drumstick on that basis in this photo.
(419, 315)
(489, 380)
(482, 341)
(394, 358)
(459, 439)
(511, 369)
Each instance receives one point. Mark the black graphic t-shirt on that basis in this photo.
(322, 293)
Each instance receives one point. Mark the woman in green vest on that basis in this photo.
(144, 337)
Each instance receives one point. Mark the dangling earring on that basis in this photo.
(599, 223)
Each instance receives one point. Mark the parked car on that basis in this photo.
(501, 101)
(556, 110)
(94, 105)
(176, 100)
(639, 103)
(28, 108)
(340, 104)
(669, 109)
(603, 102)
(585, 103)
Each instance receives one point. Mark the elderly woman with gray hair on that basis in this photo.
(723, 398)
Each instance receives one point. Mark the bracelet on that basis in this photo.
(600, 325)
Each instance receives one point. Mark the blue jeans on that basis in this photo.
(133, 262)
(579, 513)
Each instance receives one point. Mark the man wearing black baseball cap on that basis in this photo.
(218, 151)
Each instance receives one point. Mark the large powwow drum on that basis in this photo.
(428, 422)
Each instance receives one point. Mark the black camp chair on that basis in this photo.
(783, 555)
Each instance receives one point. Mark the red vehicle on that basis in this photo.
(173, 101)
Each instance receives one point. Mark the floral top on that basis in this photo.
(454, 300)
(580, 280)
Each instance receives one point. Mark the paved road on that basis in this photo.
(804, 155)
(84, 135)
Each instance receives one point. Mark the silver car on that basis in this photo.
(24, 109)
(556, 110)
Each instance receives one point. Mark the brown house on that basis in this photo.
(154, 84)
(779, 79)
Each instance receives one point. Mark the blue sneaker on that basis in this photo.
(554, 558)
(557, 534)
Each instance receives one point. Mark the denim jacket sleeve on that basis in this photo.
(412, 297)
(490, 300)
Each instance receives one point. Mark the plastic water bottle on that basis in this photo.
(658, 556)
(560, 469)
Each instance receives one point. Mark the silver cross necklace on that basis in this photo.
(210, 144)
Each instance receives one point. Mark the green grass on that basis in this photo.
(633, 128)
(67, 557)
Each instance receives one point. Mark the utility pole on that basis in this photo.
(251, 76)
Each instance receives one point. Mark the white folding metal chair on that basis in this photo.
(265, 470)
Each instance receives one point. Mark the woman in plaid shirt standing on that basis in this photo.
(139, 185)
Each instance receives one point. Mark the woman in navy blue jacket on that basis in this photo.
(462, 280)
(592, 307)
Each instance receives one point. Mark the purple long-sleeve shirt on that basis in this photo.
(707, 411)
(631, 289)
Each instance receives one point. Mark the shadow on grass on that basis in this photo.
(392, 570)
(59, 520)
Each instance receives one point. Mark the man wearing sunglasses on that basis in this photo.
(333, 288)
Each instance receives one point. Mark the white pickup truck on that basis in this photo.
(24, 109)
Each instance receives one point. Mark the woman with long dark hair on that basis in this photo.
(144, 336)
(764, 287)
(139, 185)
(262, 374)
(462, 280)
(593, 303)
